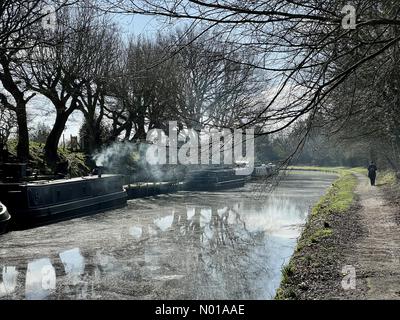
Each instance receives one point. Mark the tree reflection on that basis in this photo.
(218, 255)
(196, 252)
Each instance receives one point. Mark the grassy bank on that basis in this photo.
(320, 169)
(76, 160)
(385, 178)
(314, 250)
(388, 181)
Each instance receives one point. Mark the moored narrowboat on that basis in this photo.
(150, 189)
(263, 170)
(41, 202)
(213, 179)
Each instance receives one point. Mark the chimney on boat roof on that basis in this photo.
(97, 171)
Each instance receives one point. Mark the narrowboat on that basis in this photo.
(150, 189)
(35, 203)
(4, 218)
(213, 179)
(263, 170)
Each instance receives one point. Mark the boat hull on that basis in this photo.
(48, 215)
(213, 184)
(4, 219)
(189, 186)
(151, 189)
(214, 179)
(45, 202)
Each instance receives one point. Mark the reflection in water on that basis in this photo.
(190, 213)
(205, 217)
(136, 232)
(9, 281)
(279, 215)
(151, 231)
(74, 264)
(164, 223)
(105, 263)
(205, 246)
(40, 279)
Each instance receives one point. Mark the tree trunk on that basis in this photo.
(9, 84)
(52, 142)
(23, 134)
(128, 131)
(140, 133)
(92, 135)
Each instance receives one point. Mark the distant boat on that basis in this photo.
(149, 189)
(4, 218)
(42, 202)
(213, 179)
(263, 170)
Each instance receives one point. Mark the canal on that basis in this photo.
(189, 245)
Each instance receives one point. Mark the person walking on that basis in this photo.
(372, 172)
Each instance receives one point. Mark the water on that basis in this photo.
(221, 245)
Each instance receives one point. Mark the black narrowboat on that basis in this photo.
(41, 202)
(213, 179)
(263, 171)
(150, 189)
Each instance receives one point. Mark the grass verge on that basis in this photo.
(387, 178)
(314, 249)
(320, 169)
(390, 183)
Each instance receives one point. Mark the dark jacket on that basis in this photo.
(372, 170)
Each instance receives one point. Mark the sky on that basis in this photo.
(137, 24)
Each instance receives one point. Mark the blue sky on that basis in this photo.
(138, 24)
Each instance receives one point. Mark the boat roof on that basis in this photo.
(212, 170)
(62, 181)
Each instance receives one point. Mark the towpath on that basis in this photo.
(376, 254)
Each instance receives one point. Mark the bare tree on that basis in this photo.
(196, 86)
(20, 30)
(54, 70)
(145, 92)
(302, 45)
(100, 51)
(215, 90)
(8, 121)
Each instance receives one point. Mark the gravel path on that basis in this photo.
(376, 254)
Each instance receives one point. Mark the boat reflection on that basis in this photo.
(9, 281)
(40, 279)
(74, 264)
